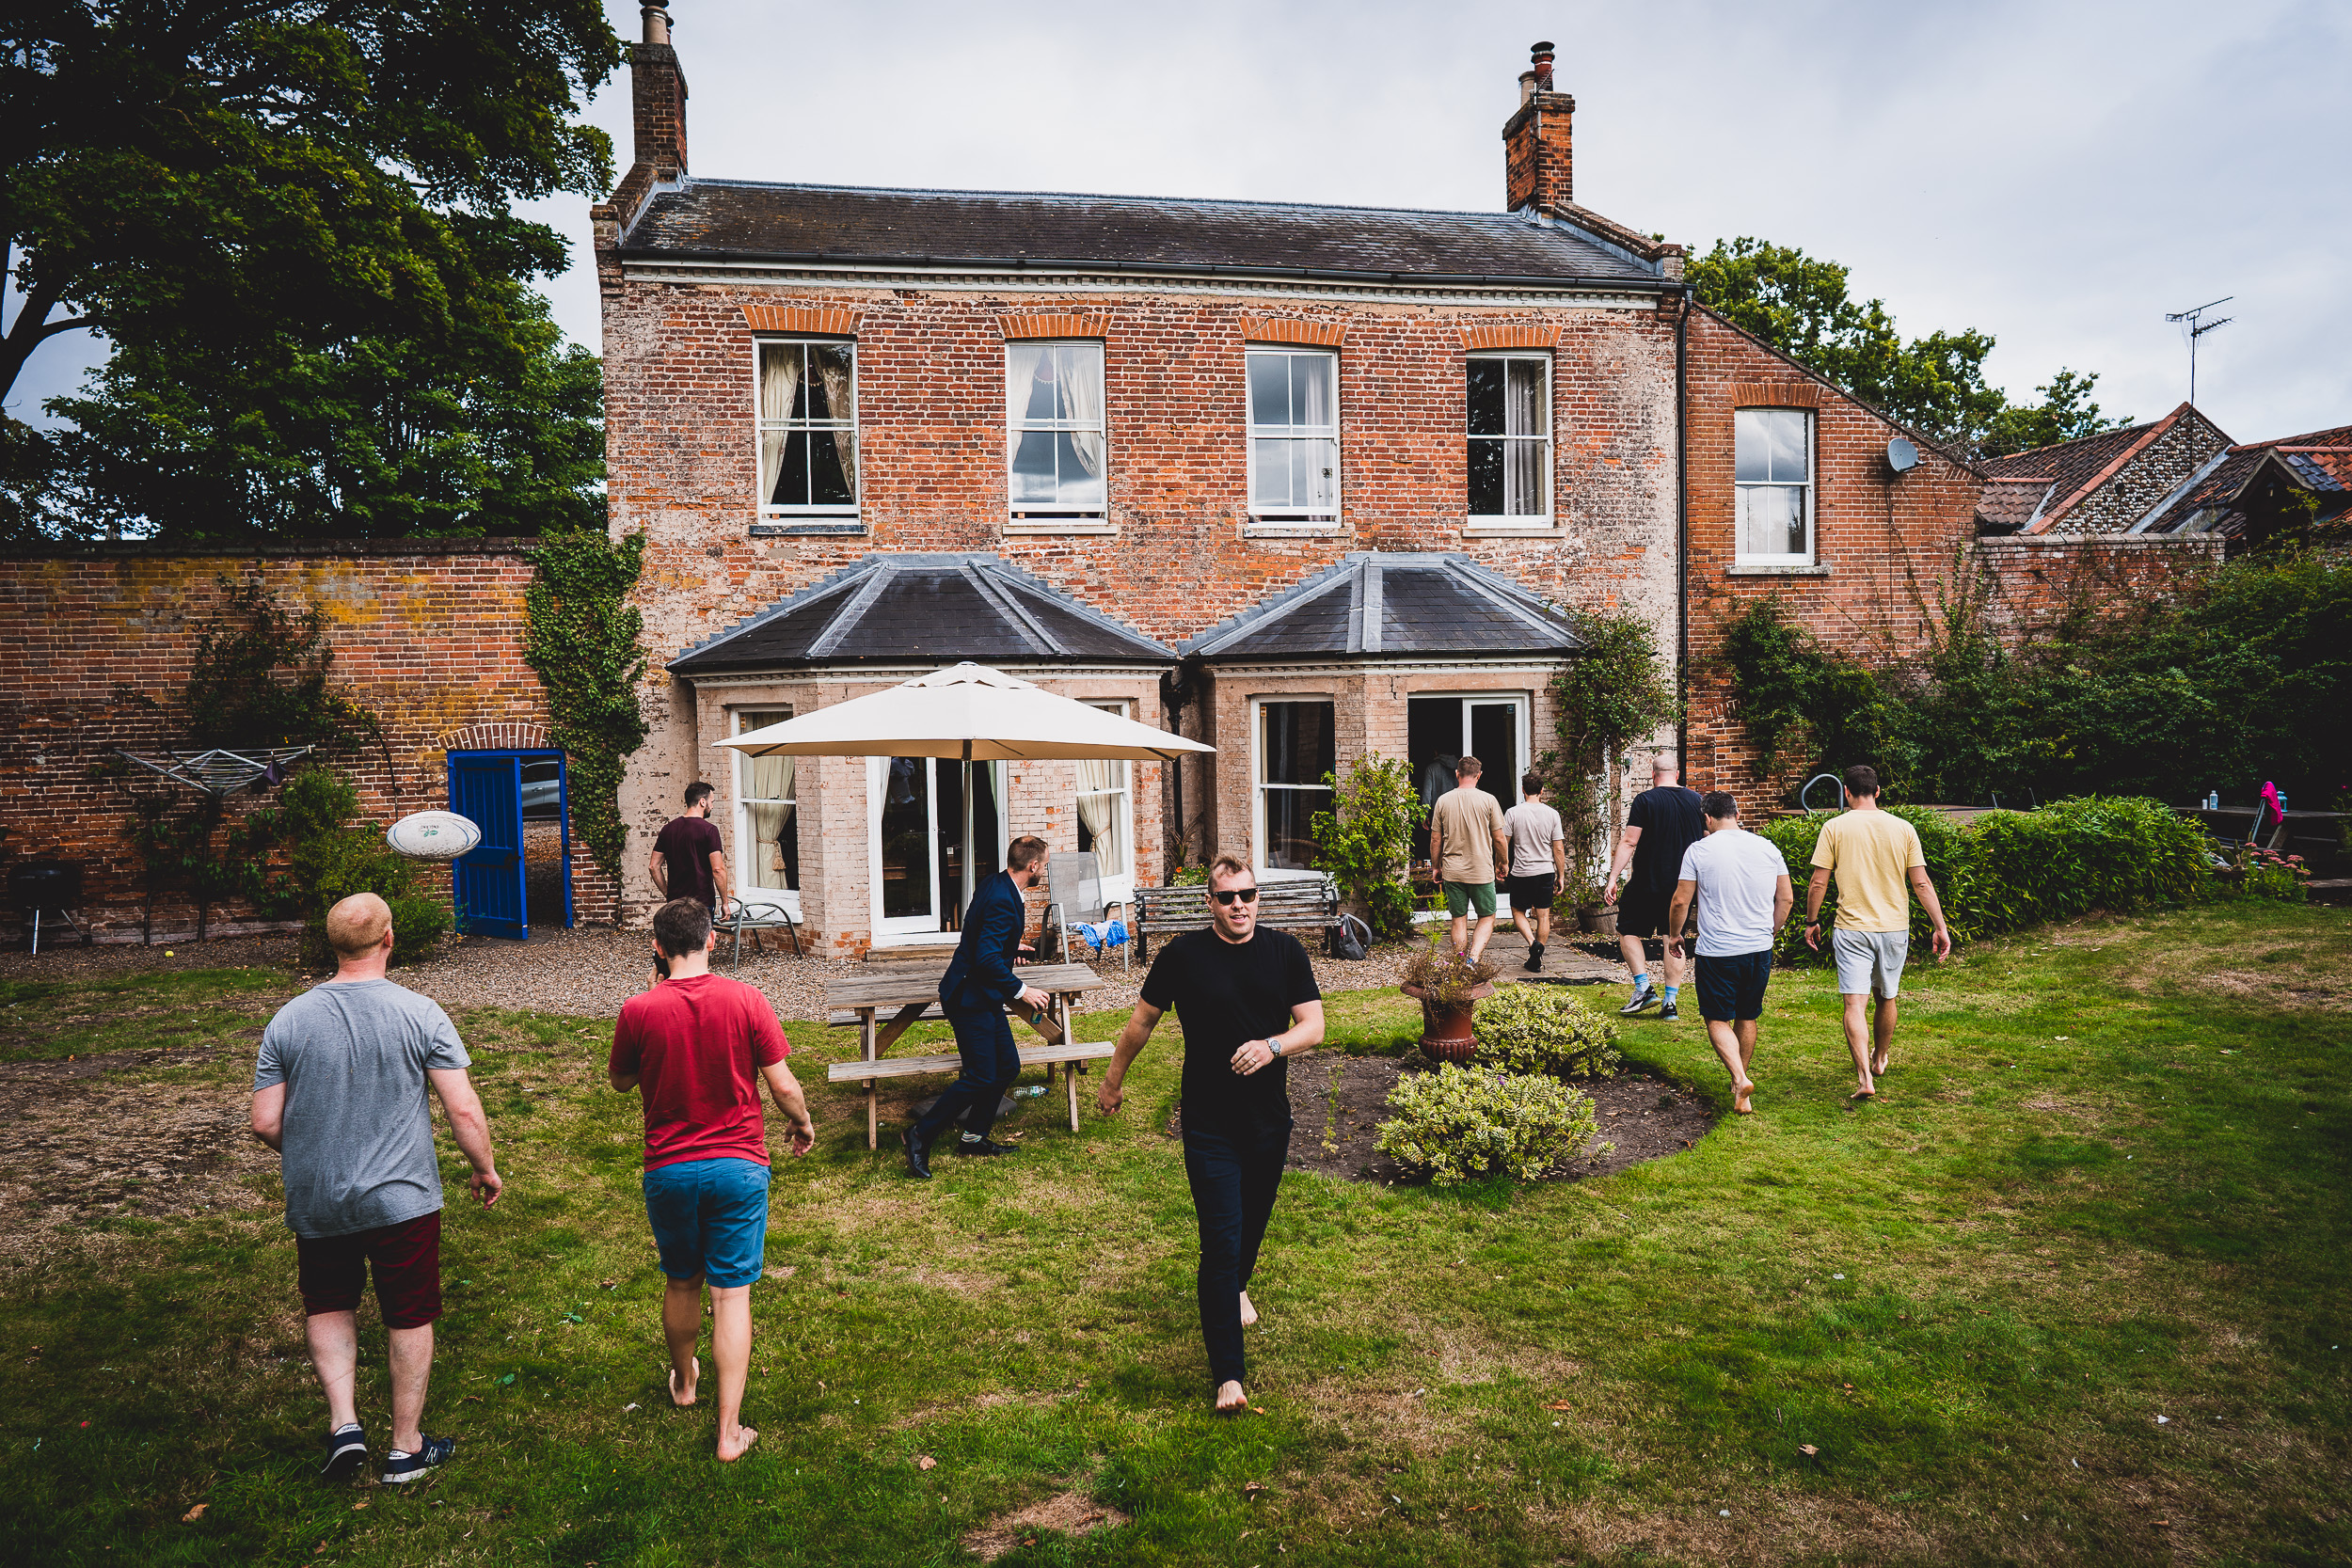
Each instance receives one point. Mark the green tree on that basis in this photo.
(1365, 841)
(1800, 306)
(1608, 698)
(226, 187)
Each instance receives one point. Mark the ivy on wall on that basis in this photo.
(1609, 698)
(582, 635)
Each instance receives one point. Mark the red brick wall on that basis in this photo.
(1886, 548)
(2034, 584)
(427, 634)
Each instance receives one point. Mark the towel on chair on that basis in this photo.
(1110, 933)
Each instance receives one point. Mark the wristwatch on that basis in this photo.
(1274, 1046)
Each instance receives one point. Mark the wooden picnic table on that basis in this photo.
(905, 990)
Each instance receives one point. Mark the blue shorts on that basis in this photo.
(1731, 988)
(709, 1217)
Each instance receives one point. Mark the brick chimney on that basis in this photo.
(1537, 166)
(658, 91)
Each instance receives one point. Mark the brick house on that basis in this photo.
(1345, 468)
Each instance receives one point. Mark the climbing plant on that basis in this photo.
(582, 638)
(1607, 699)
(1366, 839)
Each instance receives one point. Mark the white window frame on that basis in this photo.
(1741, 555)
(1026, 517)
(922, 931)
(1117, 886)
(1258, 785)
(1300, 521)
(745, 840)
(1532, 522)
(760, 427)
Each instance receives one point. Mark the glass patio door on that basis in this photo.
(931, 846)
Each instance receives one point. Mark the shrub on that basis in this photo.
(2271, 875)
(1457, 1123)
(1444, 974)
(332, 858)
(1543, 1029)
(1365, 841)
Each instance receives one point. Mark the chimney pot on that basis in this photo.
(1541, 55)
(657, 23)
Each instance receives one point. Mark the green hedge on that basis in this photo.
(2010, 869)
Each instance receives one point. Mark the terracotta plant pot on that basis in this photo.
(1445, 1026)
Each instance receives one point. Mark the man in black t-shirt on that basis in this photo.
(1666, 819)
(690, 858)
(1248, 1003)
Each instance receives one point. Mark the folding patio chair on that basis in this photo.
(1075, 903)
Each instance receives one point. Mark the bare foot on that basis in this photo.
(1878, 1067)
(1249, 1313)
(1863, 1094)
(684, 1394)
(733, 1448)
(1740, 1101)
(1231, 1401)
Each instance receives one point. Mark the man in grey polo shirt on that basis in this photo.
(340, 1091)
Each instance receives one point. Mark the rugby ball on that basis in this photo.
(433, 836)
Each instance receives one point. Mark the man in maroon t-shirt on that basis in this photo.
(699, 1045)
(689, 859)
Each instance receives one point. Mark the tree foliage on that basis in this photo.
(1800, 304)
(243, 196)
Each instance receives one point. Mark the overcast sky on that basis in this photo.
(2057, 175)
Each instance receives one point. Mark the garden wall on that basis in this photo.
(426, 633)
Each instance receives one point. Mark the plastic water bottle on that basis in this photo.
(2212, 799)
(1030, 1091)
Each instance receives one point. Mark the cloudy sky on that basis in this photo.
(2058, 175)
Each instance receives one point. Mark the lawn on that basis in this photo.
(2075, 1290)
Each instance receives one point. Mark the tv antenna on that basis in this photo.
(2198, 328)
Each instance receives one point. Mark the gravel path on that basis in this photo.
(590, 971)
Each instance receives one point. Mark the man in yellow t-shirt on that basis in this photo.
(1467, 838)
(1878, 865)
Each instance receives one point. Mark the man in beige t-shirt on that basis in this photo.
(1467, 838)
(1877, 863)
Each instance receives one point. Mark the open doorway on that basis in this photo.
(1441, 731)
(522, 871)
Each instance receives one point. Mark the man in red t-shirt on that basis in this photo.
(699, 1045)
(689, 859)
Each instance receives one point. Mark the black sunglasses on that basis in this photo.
(1247, 894)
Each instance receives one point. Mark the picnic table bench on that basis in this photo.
(909, 992)
(1294, 903)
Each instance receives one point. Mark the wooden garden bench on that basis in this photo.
(1293, 904)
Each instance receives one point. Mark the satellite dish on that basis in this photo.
(1902, 455)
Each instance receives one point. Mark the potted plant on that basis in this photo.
(1583, 898)
(1449, 987)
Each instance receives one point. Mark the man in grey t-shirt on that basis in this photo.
(340, 1091)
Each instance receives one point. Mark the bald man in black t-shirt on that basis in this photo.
(1248, 1003)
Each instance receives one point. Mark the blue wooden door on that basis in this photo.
(488, 878)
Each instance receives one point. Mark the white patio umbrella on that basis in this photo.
(969, 712)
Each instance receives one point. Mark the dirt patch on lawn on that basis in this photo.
(1338, 1103)
(1069, 1513)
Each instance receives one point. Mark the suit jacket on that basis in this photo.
(980, 974)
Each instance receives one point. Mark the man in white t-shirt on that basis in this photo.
(1539, 866)
(1742, 884)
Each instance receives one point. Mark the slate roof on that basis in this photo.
(1389, 603)
(919, 607)
(742, 220)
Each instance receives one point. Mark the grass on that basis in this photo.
(2104, 1184)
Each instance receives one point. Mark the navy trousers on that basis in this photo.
(992, 1064)
(1233, 1173)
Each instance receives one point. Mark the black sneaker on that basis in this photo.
(1538, 964)
(982, 1147)
(1534, 957)
(409, 1467)
(1641, 999)
(1666, 1013)
(346, 1451)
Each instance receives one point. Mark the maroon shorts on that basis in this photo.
(332, 1271)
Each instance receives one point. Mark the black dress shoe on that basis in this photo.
(977, 1148)
(918, 1157)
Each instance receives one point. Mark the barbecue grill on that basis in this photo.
(50, 887)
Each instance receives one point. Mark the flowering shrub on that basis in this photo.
(1543, 1029)
(1457, 1123)
(2271, 875)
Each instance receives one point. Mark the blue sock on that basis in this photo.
(1641, 985)
(1670, 994)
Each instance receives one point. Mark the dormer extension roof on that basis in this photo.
(733, 221)
(918, 608)
(1393, 604)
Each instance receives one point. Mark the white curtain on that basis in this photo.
(1524, 459)
(769, 808)
(779, 379)
(833, 370)
(1022, 362)
(1102, 807)
(1080, 370)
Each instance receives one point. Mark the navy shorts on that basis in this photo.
(709, 1217)
(1530, 893)
(1731, 988)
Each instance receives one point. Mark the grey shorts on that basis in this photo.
(1870, 961)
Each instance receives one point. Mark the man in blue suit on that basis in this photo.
(978, 986)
